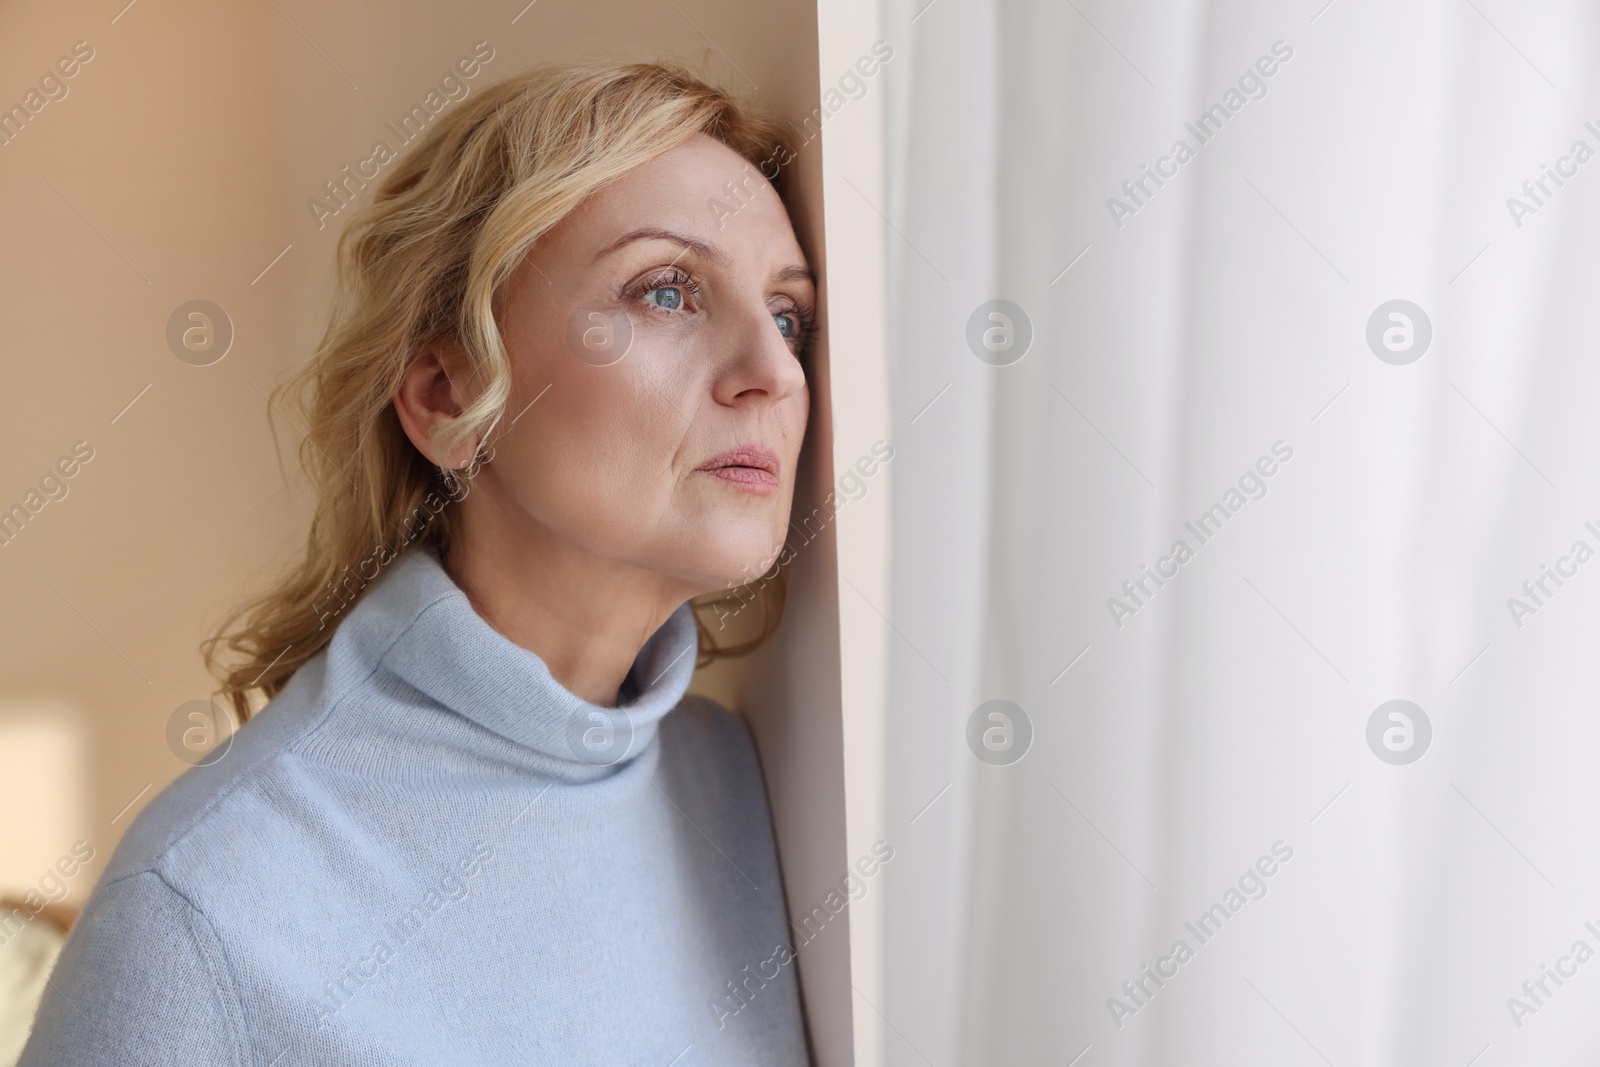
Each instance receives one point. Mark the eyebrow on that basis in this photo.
(651, 233)
(793, 272)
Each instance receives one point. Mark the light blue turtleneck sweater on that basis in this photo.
(425, 850)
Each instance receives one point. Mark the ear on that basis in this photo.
(429, 398)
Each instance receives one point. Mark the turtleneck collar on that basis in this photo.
(427, 633)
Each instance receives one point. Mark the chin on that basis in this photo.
(723, 562)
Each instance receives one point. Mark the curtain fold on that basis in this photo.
(1224, 512)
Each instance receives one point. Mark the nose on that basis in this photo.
(759, 367)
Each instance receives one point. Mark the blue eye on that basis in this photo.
(788, 325)
(667, 297)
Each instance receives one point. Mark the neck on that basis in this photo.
(585, 615)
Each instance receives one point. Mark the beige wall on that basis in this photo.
(178, 166)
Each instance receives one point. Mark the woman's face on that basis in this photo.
(659, 394)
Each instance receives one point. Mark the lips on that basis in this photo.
(748, 466)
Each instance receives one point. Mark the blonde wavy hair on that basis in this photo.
(426, 261)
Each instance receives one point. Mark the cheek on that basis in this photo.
(794, 416)
(802, 411)
(790, 419)
(600, 446)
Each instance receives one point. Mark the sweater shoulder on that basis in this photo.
(197, 805)
(199, 810)
(701, 723)
(139, 942)
(704, 741)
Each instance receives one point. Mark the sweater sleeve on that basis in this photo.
(141, 981)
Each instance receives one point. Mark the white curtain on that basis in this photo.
(1210, 740)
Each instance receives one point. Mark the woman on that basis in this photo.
(478, 821)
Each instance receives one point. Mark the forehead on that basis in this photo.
(701, 188)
